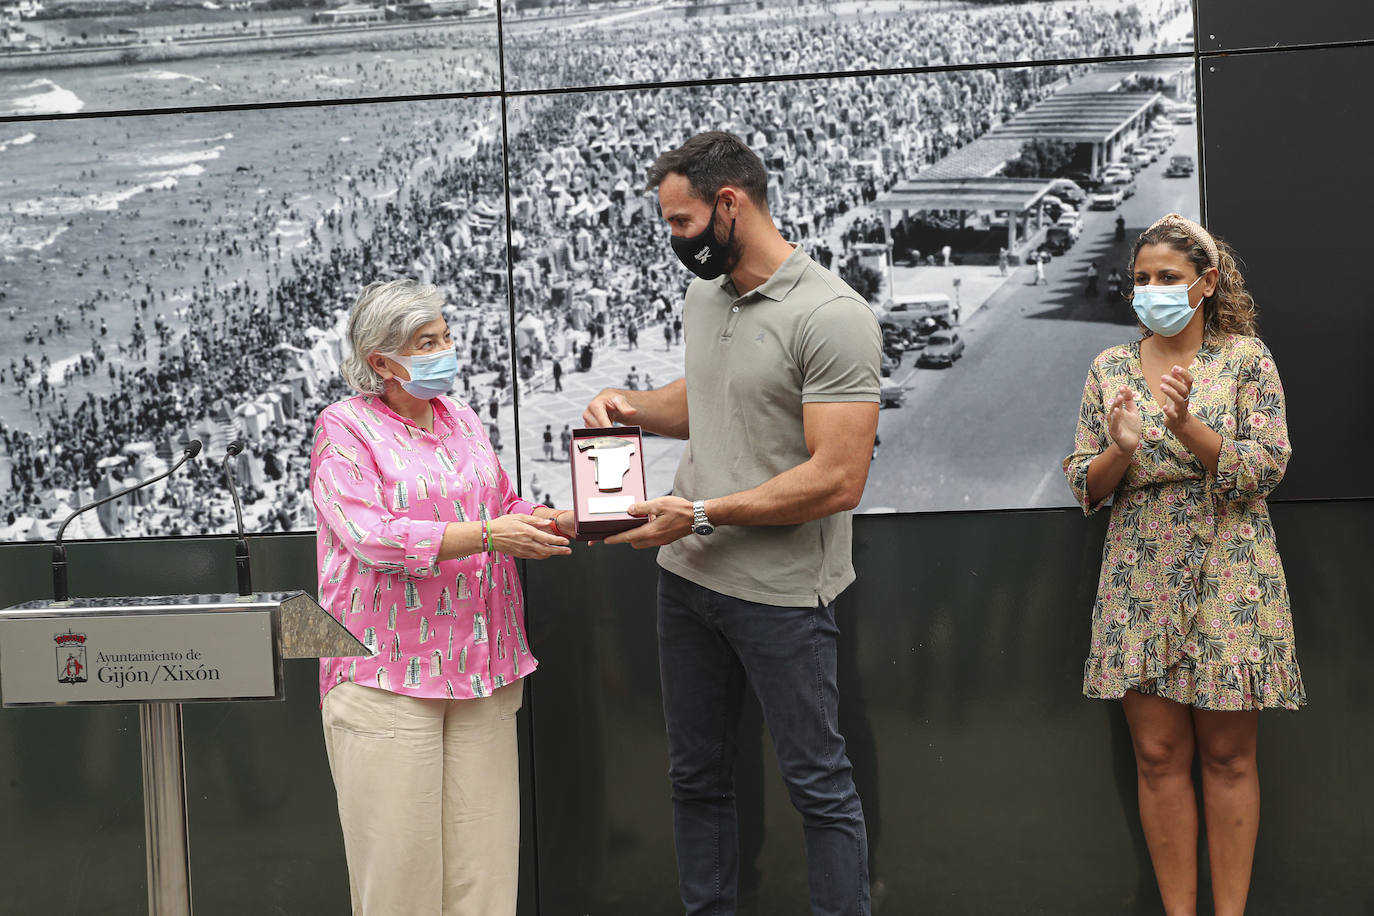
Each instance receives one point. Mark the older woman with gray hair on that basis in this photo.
(418, 530)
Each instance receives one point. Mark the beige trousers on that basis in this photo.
(429, 800)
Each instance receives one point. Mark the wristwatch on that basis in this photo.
(700, 523)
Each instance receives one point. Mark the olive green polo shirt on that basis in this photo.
(752, 361)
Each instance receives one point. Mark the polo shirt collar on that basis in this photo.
(776, 287)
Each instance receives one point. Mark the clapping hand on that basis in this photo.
(1123, 421)
(1177, 386)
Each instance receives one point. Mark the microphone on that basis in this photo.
(242, 567)
(59, 552)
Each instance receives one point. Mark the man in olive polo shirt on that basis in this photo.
(780, 406)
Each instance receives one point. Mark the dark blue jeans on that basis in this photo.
(709, 646)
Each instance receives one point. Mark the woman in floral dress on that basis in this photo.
(1191, 628)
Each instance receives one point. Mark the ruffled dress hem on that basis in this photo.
(1221, 686)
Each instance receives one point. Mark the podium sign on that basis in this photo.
(143, 656)
(160, 652)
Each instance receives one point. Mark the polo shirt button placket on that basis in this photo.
(730, 321)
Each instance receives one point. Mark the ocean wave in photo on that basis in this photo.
(289, 228)
(188, 141)
(171, 160)
(14, 239)
(21, 140)
(103, 201)
(194, 170)
(165, 75)
(53, 99)
(57, 371)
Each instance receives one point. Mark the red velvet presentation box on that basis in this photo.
(607, 475)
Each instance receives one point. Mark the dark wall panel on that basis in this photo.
(264, 828)
(70, 784)
(1286, 185)
(961, 657)
(962, 648)
(1227, 25)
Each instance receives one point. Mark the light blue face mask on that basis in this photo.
(1164, 309)
(431, 374)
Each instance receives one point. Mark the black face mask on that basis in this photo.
(702, 254)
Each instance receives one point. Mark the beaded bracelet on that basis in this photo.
(486, 538)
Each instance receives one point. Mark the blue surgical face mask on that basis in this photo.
(1164, 309)
(431, 374)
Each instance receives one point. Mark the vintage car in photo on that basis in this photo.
(943, 348)
(1072, 222)
(1068, 191)
(1108, 197)
(907, 310)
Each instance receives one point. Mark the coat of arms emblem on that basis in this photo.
(71, 657)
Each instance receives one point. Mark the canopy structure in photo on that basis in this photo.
(1097, 113)
(1104, 122)
(1176, 74)
(1018, 200)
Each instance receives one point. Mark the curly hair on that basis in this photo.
(1230, 309)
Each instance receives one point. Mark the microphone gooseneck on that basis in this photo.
(59, 551)
(59, 572)
(242, 565)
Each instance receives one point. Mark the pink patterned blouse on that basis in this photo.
(384, 489)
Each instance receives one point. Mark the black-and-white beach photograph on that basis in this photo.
(185, 275)
(986, 215)
(113, 55)
(552, 44)
(170, 277)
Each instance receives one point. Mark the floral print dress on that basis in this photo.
(1192, 604)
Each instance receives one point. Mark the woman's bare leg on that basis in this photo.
(1162, 733)
(1231, 800)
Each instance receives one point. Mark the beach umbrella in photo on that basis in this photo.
(529, 332)
(20, 530)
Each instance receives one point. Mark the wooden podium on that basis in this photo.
(160, 652)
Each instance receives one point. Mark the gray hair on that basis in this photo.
(385, 317)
